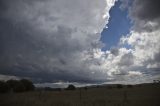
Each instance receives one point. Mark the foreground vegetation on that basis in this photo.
(106, 95)
(22, 85)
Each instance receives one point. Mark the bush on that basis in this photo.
(4, 87)
(119, 86)
(20, 86)
(85, 88)
(48, 89)
(16, 85)
(129, 86)
(27, 84)
(71, 87)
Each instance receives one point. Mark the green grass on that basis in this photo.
(145, 95)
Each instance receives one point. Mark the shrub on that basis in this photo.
(12, 83)
(97, 86)
(85, 88)
(129, 86)
(27, 84)
(4, 87)
(16, 86)
(71, 87)
(48, 89)
(119, 86)
(20, 86)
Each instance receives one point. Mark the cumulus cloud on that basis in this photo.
(136, 60)
(144, 37)
(48, 40)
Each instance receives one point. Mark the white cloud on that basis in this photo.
(131, 73)
(145, 45)
(7, 77)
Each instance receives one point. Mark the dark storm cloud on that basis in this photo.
(146, 9)
(46, 40)
(146, 14)
(22, 55)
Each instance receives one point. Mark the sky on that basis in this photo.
(58, 42)
(119, 24)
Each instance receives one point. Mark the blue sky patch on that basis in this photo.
(119, 24)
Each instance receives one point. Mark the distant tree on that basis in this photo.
(129, 86)
(48, 89)
(27, 84)
(156, 81)
(16, 86)
(12, 83)
(4, 87)
(85, 88)
(20, 85)
(119, 86)
(71, 87)
(97, 86)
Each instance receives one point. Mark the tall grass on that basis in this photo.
(102, 96)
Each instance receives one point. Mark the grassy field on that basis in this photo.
(140, 95)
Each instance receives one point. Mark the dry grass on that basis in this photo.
(146, 95)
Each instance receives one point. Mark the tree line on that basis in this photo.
(22, 85)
